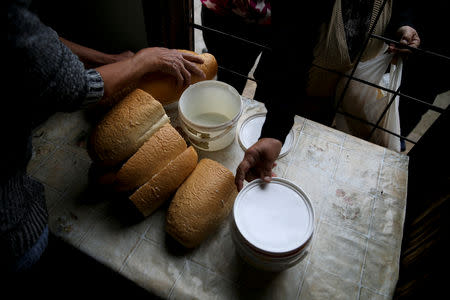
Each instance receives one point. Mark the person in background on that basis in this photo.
(45, 73)
(422, 73)
(306, 35)
(249, 20)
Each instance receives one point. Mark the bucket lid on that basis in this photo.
(276, 217)
(250, 131)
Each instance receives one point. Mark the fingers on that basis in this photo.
(397, 50)
(181, 74)
(405, 40)
(393, 48)
(190, 61)
(256, 164)
(193, 69)
(184, 67)
(186, 76)
(193, 58)
(266, 171)
(246, 169)
(408, 37)
(415, 41)
(179, 78)
(179, 64)
(241, 173)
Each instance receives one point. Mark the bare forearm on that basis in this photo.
(117, 76)
(90, 57)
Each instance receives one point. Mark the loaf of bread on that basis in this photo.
(201, 203)
(161, 148)
(163, 86)
(160, 187)
(99, 109)
(125, 128)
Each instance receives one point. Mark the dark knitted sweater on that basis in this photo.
(42, 76)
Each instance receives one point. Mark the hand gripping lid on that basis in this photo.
(276, 217)
(250, 131)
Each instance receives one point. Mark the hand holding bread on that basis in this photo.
(178, 64)
(164, 73)
(164, 87)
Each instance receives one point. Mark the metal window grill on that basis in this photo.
(180, 34)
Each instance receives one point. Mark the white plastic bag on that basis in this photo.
(368, 103)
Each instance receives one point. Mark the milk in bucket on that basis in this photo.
(209, 111)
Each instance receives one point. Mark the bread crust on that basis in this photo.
(163, 86)
(125, 128)
(160, 187)
(161, 148)
(201, 203)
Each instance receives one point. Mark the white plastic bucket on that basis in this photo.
(209, 111)
(273, 224)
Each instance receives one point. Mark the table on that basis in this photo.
(358, 190)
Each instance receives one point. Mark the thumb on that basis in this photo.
(404, 40)
(266, 171)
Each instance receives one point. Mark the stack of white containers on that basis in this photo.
(273, 224)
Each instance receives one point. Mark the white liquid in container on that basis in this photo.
(209, 111)
(210, 119)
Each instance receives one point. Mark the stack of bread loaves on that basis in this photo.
(151, 162)
(152, 158)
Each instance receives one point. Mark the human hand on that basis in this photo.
(258, 161)
(408, 36)
(121, 56)
(92, 58)
(179, 64)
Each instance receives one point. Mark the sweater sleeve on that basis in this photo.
(295, 33)
(55, 78)
(95, 87)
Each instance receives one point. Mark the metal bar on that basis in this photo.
(419, 50)
(430, 106)
(238, 74)
(384, 111)
(409, 98)
(366, 42)
(372, 124)
(201, 27)
(351, 76)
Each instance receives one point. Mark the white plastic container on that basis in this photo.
(273, 224)
(209, 111)
(250, 131)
